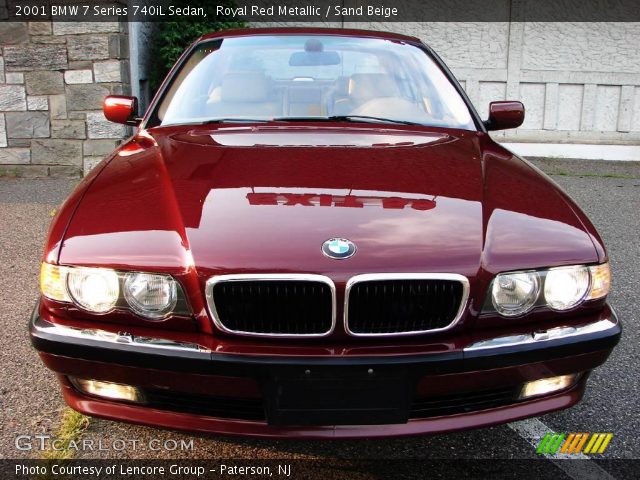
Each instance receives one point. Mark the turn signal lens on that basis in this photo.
(600, 281)
(94, 289)
(565, 287)
(53, 279)
(515, 293)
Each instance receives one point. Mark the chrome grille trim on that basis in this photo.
(367, 277)
(211, 282)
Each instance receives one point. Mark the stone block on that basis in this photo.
(56, 152)
(58, 107)
(27, 125)
(88, 47)
(3, 131)
(48, 39)
(100, 127)
(65, 171)
(22, 58)
(12, 98)
(2, 76)
(37, 102)
(14, 78)
(68, 129)
(99, 148)
(44, 82)
(118, 46)
(73, 77)
(13, 32)
(40, 28)
(15, 156)
(90, 163)
(81, 65)
(85, 97)
(19, 142)
(119, 89)
(109, 71)
(77, 28)
(31, 171)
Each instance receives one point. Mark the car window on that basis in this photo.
(312, 76)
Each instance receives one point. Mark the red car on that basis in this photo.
(311, 234)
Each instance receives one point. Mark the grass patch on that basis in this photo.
(563, 173)
(71, 428)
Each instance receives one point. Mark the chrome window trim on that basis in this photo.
(367, 277)
(213, 313)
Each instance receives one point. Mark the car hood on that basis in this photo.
(248, 199)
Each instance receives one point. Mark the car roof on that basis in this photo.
(346, 32)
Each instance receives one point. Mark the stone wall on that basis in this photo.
(53, 77)
(580, 82)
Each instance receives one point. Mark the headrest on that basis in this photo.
(364, 86)
(244, 87)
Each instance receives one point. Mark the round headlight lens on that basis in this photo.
(565, 287)
(150, 295)
(94, 289)
(515, 293)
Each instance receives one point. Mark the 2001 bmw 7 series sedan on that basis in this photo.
(312, 234)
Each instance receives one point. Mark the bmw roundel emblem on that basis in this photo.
(338, 248)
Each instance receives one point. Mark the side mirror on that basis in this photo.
(503, 115)
(121, 109)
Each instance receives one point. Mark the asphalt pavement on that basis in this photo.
(30, 402)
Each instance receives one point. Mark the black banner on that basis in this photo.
(331, 12)
(311, 469)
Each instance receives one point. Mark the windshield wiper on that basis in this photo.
(345, 118)
(355, 118)
(233, 120)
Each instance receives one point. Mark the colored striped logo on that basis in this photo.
(574, 443)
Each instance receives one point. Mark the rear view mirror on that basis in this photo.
(121, 109)
(313, 59)
(503, 115)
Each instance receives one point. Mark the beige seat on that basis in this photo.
(305, 101)
(364, 87)
(244, 94)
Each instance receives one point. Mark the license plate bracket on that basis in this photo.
(336, 396)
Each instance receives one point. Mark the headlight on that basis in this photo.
(150, 295)
(153, 296)
(515, 293)
(94, 289)
(561, 288)
(565, 287)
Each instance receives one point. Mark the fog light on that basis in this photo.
(547, 385)
(113, 391)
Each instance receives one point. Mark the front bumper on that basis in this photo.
(194, 387)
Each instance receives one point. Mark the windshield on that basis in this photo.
(324, 77)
